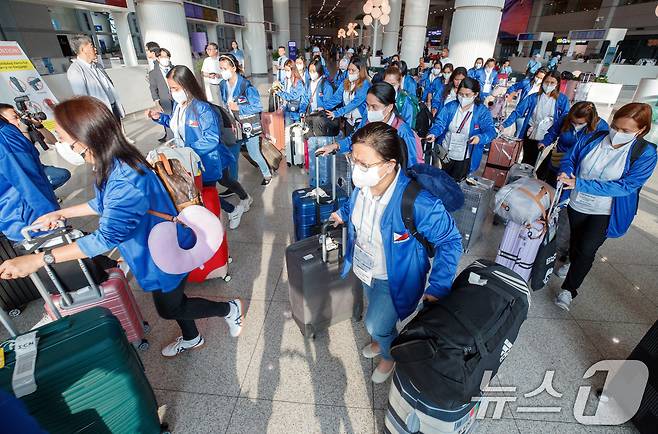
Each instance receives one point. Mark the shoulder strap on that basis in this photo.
(408, 200)
(638, 149)
(244, 84)
(597, 135)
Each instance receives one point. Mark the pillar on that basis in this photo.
(125, 38)
(211, 31)
(414, 30)
(163, 21)
(392, 29)
(281, 14)
(295, 19)
(467, 42)
(360, 35)
(445, 27)
(253, 36)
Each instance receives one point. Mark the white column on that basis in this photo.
(253, 36)
(163, 21)
(125, 38)
(414, 30)
(392, 29)
(281, 14)
(211, 31)
(295, 19)
(360, 34)
(469, 41)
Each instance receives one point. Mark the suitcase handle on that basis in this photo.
(27, 230)
(333, 175)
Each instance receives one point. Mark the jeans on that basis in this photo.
(253, 147)
(176, 305)
(57, 176)
(381, 316)
(588, 232)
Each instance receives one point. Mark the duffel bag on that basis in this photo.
(446, 349)
(524, 201)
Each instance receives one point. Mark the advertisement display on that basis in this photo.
(22, 86)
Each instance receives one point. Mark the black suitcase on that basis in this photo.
(646, 418)
(446, 349)
(319, 297)
(14, 294)
(470, 218)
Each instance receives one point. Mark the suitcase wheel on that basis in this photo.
(147, 327)
(164, 428)
(288, 164)
(227, 278)
(143, 345)
(14, 312)
(230, 260)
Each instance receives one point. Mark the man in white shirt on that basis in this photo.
(445, 56)
(280, 63)
(211, 76)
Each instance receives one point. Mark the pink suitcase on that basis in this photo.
(519, 246)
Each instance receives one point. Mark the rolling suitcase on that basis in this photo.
(319, 297)
(270, 153)
(86, 378)
(294, 143)
(504, 152)
(217, 266)
(14, 294)
(114, 293)
(470, 218)
(408, 412)
(309, 209)
(343, 167)
(273, 124)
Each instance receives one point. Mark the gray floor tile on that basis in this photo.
(277, 417)
(543, 306)
(643, 277)
(495, 426)
(273, 226)
(29, 315)
(193, 413)
(541, 427)
(635, 247)
(614, 340)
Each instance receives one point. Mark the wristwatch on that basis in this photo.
(48, 257)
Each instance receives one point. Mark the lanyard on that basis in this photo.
(372, 226)
(461, 126)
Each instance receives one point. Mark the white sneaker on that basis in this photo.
(234, 318)
(180, 345)
(235, 217)
(563, 300)
(379, 377)
(562, 271)
(246, 203)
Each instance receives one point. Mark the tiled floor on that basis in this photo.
(272, 380)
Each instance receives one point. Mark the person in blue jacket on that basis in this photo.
(300, 64)
(25, 192)
(127, 190)
(404, 102)
(432, 83)
(533, 65)
(505, 68)
(540, 111)
(391, 263)
(352, 95)
(195, 124)
(341, 73)
(488, 77)
(463, 128)
(242, 98)
(603, 176)
(381, 108)
(292, 91)
(408, 83)
(527, 86)
(479, 63)
(450, 90)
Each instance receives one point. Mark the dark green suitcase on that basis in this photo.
(89, 378)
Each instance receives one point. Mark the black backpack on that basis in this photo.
(423, 121)
(446, 349)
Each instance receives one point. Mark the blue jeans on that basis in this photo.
(253, 147)
(57, 176)
(381, 316)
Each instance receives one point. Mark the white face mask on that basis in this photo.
(578, 127)
(343, 67)
(300, 67)
(369, 178)
(226, 74)
(314, 75)
(179, 96)
(618, 137)
(548, 88)
(538, 80)
(353, 77)
(447, 75)
(436, 71)
(375, 115)
(165, 62)
(478, 65)
(465, 100)
(288, 74)
(64, 150)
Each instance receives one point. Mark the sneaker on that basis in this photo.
(246, 203)
(235, 217)
(226, 193)
(266, 180)
(562, 271)
(563, 300)
(234, 318)
(180, 345)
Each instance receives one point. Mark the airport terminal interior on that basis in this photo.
(304, 348)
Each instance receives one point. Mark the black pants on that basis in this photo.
(176, 305)
(588, 232)
(458, 170)
(232, 185)
(530, 151)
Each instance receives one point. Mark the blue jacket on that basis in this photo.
(359, 101)
(533, 66)
(324, 95)
(250, 104)
(481, 76)
(339, 78)
(482, 125)
(202, 134)
(625, 192)
(473, 72)
(435, 87)
(566, 140)
(122, 204)
(25, 193)
(406, 260)
(409, 85)
(297, 93)
(505, 70)
(406, 111)
(404, 131)
(524, 86)
(526, 108)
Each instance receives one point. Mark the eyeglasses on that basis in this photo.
(363, 166)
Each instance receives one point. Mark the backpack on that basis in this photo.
(420, 152)
(228, 136)
(404, 96)
(423, 121)
(440, 185)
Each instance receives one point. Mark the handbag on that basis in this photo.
(271, 154)
(250, 125)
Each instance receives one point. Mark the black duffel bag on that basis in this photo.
(319, 125)
(446, 349)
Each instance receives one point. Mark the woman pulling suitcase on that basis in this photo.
(126, 190)
(391, 263)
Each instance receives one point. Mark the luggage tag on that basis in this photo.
(23, 381)
(588, 201)
(363, 263)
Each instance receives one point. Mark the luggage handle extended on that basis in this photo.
(323, 239)
(333, 176)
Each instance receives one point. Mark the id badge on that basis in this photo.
(457, 149)
(362, 265)
(588, 201)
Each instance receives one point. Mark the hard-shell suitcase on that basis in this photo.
(114, 293)
(319, 297)
(409, 412)
(646, 351)
(504, 152)
(273, 128)
(343, 167)
(217, 266)
(470, 218)
(87, 378)
(14, 294)
(294, 140)
(519, 246)
(309, 210)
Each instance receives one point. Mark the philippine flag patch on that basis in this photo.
(398, 238)
(193, 123)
